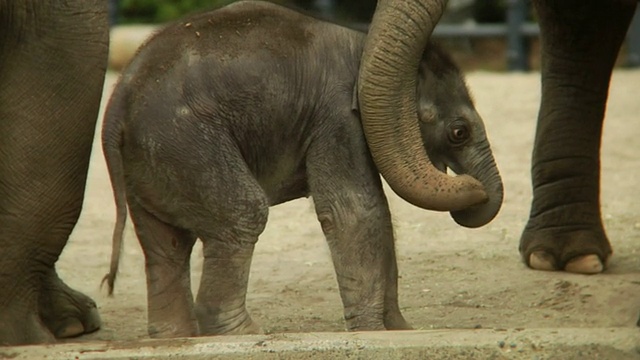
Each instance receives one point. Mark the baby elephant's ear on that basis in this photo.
(355, 105)
(427, 110)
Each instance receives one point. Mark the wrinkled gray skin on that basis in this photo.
(53, 58)
(580, 43)
(550, 233)
(226, 113)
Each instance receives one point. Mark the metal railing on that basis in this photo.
(518, 32)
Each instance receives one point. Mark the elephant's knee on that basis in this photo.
(355, 214)
(249, 215)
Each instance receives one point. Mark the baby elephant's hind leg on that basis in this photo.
(239, 216)
(167, 251)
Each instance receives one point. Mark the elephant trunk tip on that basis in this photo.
(449, 194)
(480, 214)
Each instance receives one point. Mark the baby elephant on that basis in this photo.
(226, 113)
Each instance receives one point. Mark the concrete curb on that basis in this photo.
(568, 343)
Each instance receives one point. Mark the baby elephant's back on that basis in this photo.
(244, 69)
(248, 52)
(242, 31)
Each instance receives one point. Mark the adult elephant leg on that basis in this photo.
(580, 42)
(52, 63)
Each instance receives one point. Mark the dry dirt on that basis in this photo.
(451, 277)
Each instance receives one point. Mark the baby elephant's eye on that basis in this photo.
(458, 133)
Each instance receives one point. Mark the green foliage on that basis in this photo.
(158, 11)
(344, 10)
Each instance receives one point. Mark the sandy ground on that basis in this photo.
(451, 277)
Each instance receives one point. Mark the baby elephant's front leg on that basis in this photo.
(358, 228)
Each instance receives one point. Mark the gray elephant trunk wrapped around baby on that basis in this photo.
(226, 113)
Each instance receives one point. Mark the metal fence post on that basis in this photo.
(633, 41)
(517, 43)
(326, 8)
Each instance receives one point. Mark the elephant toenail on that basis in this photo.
(541, 260)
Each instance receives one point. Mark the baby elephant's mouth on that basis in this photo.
(450, 169)
(441, 166)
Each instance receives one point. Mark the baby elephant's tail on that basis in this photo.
(112, 135)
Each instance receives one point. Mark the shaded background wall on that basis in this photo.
(494, 52)
(158, 11)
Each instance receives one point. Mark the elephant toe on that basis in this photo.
(66, 323)
(586, 264)
(583, 264)
(585, 251)
(75, 326)
(70, 328)
(542, 260)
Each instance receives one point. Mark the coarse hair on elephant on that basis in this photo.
(225, 113)
(53, 58)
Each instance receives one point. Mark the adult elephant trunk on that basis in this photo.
(387, 97)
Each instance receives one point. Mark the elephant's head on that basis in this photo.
(402, 125)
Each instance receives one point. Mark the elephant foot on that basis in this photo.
(230, 323)
(395, 321)
(581, 252)
(585, 264)
(22, 326)
(247, 328)
(66, 312)
(169, 330)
